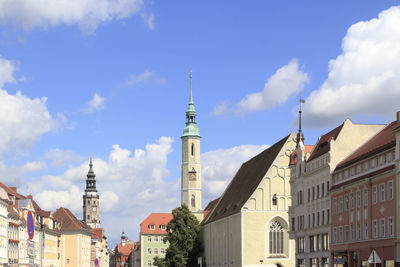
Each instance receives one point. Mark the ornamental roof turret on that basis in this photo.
(191, 128)
(91, 179)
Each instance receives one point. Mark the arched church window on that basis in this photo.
(192, 150)
(193, 201)
(276, 240)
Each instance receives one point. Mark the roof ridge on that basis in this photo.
(67, 211)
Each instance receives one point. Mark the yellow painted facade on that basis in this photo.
(243, 239)
(75, 249)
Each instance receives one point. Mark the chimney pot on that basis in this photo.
(398, 115)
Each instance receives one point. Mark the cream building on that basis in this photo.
(3, 227)
(310, 184)
(249, 225)
(75, 239)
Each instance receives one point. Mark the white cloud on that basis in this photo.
(22, 121)
(365, 77)
(149, 20)
(132, 183)
(286, 81)
(87, 14)
(7, 69)
(219, 167)
(146, 76)
(60, 157)
(222, 108)
(96, 103)
(14, 174)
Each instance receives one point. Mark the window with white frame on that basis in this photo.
(151, 226)
(162, 251)
(374, 194)
(351, 200)
(163, 227)
(155, 251)
(390, 190)
(390, 226)
(374, 229)
(351, 231)
(156, 239)
(365, 230)
(382, 192)
(382, 227)
(149, 238)
(334, 235)
(365, 197)
(334, 205)
(149, 251)
(149, 262)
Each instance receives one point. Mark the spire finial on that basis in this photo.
(190, 95)
(300, 135)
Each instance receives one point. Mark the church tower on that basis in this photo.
(191, 167)
(91, 201)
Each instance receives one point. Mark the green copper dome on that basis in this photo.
(191, 128)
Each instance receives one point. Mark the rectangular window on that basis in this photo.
(327, 188)
(390, 226)
(163, 227)
(384, 158)
(162, 251)
(358, 231)
(382, 192)
(390, 190)
(334, 235)
(334, 206)
(318, 218)
(382, 227)
(308, 195)
(156, 239)
(317, 191)
(365, 230)
(346, 233)
(351, 232)
(155, 251)
(346, 202)
(374, 229)
(351, 200)
(149, 263)
(358, 199)
(328, 219)
(309, 220)
(151, 226)
(149, 238)
(340, 204)
(313, 193)
(322, 190)
(323, 217)
(149, 251)
(313, 219)
(374, 194)
(365, 197)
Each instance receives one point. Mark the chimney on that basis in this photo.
(398, 115)
(14, 189)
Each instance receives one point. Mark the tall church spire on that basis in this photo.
(91, 179)
(300, 136)
(91, 199)
(191, 128)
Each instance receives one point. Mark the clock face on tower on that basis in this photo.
(94, 208)
(192, 176)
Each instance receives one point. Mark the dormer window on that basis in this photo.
(151, 226)
(163, 227)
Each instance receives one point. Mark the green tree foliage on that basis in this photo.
(184, 240)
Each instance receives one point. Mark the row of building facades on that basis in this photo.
(331, 203)
(33, 237)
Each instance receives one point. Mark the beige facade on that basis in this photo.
(310, 215)
(3, 226)
(257, 235)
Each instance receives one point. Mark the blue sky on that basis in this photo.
(113, 80)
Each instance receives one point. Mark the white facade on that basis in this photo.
(3, 232)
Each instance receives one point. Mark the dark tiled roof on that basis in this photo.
(11, 191)
(68, 220)
(125, 250)
(383, 140)
(324, 143)
(211, 205)
(245, 182)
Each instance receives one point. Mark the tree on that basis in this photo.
(184, 240)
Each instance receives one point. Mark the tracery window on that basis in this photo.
(276, 241)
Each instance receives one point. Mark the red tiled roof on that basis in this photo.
(324, 143)
(68, 220)
(211, 205)
(383, 140)
(11, 191)
(125, 250)
(156, 219)
(293, 156)
(98, 233)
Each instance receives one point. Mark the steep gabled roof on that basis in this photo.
(324, 143)
(125, 250)
(383, 140)
(211, 205)
(156, 219)
(11, 191)
(68, 221)
(245, 182)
